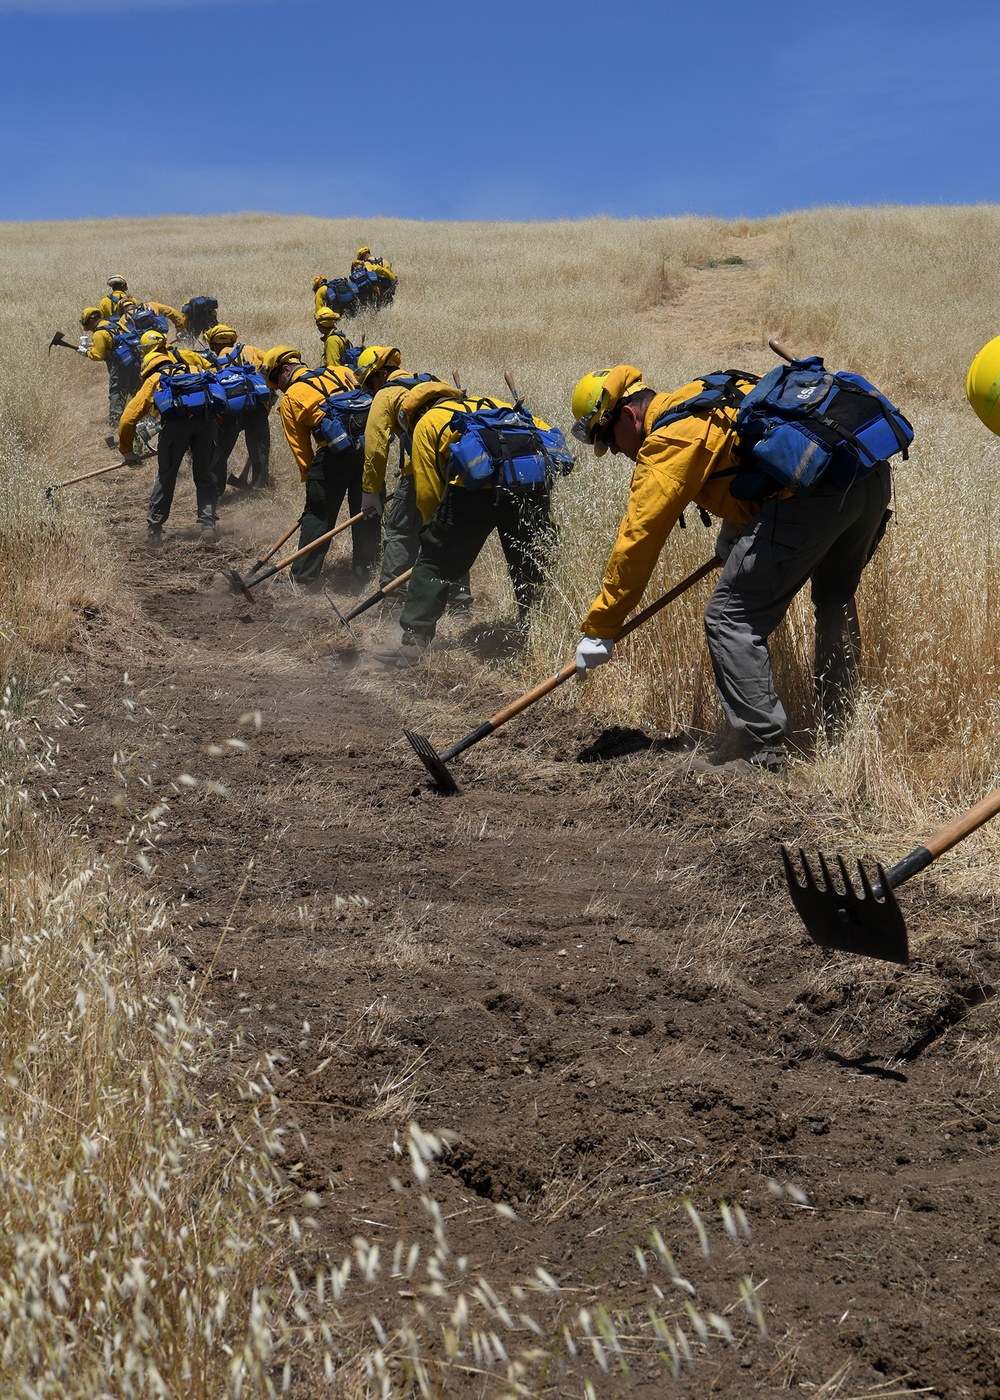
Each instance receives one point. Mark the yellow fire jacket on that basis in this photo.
(677, 465)
(141, 404)
(380, 430)
(432, 440)
(334, 346)
(100, 345)
(300, 407)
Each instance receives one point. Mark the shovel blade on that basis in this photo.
(869, 923)
(235, 582)
(432, 761)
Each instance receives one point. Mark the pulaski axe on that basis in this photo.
(437, 763)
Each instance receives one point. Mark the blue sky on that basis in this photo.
(441, 110)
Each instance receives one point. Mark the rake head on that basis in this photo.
(869, 923)
(433, 762)
(235, 582)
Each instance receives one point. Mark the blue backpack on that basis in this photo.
(503, 448)
(184, 393)
(142, 319)
(200, 313)
(125, 348)
(344, 414)
(799, 423)
(351, 356)
(339, 294)
(242, 384)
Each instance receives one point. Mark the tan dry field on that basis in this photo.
(585, 966)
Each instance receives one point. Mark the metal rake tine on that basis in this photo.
(867, 891)
(432, 761)
(791, 874)
(845, 876)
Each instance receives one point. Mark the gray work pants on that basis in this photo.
(401, 537)
(827, 538)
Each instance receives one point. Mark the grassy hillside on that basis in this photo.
(903, 295)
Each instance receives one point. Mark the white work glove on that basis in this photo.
(81, 349)
(371, 502)
(593, 651)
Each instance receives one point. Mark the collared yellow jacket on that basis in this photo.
(677, 465)
(141, 404)
(300, 408)
(432, 438)
(382, 427)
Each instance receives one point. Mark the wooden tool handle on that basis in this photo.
(458, 382)
(396, 583)
(567, 672)
(509, 381)
(115, 467)
(313, 544)
(779, 349)
(964, 825)
(269, 553)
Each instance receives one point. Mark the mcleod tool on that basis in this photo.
(240, 585)
(871, 923)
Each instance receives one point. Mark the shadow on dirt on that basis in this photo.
(617, 742)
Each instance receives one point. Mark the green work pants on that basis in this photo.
(124, 382)
(331, 477)
(451, 541)
(401, 537)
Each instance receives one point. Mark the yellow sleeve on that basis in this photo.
(428, 478)
(320, 298)
(297, 432)
(137, 407)
(379, 432)
(178, 317)
(253, 355)
(100, 346)
(668, 475)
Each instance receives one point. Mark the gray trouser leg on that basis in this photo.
(401, 531)
(826, 537)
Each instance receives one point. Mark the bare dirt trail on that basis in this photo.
(585, 965)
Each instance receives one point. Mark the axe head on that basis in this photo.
(235, 582)
(58, 339)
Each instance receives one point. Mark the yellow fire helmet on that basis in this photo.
(118, 282)
(375, 358)
(319, 282)
(274, 359)
(363, 253)
(327, 318)
(220, 335)
(152, 340)
(88, 312)
(595, 399)
(982, 385)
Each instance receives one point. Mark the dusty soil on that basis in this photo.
(585, 965)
